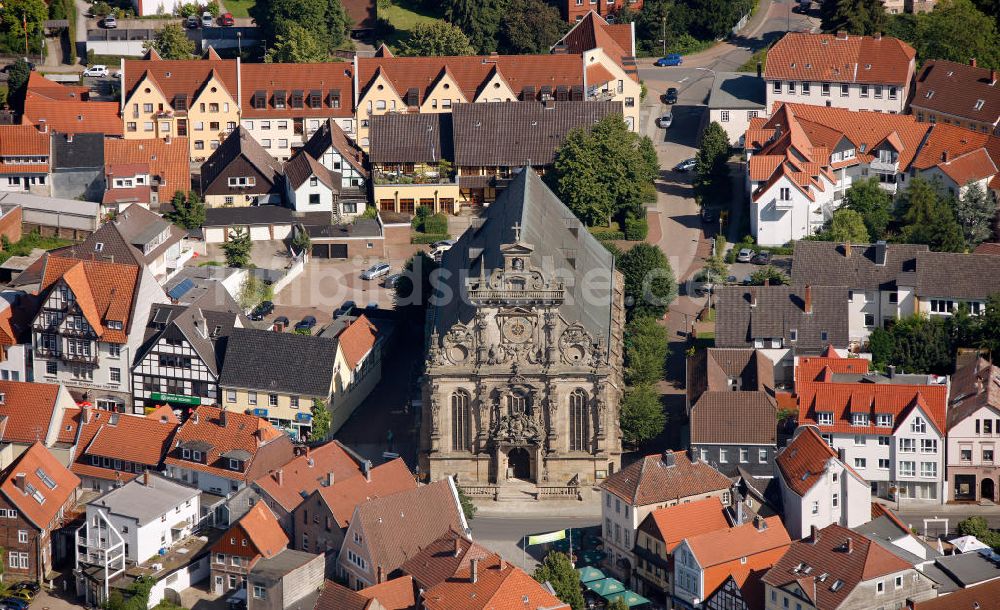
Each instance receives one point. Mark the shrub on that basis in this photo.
(436, 223)
(636, 229)
(428, 238)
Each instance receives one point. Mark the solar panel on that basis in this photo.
(180, 289)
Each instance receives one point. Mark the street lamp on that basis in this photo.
(239, 42)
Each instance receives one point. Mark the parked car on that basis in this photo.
(13, 603)
(670, 97)
(763, 258)
(745, 255)
(227, 20)
(390, 281)
(22, 594)
(207, 20)
(110, 22)
(192, 22)
(373, 306)
(686, 165)
(306, 323)
(375, 271)
(26, 587)
(444, 243)
(673, 59)
(345, 307)
(97, 71)
(281, 321)
(747, 280)
(666, 120)
(731, 279)
(262, 310)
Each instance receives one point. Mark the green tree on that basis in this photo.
(238, 248)
(604, 172)
(989, 325)
(711, 169)
(338, 23)
(848, 226)
(557, 570)
(188, 210)
(874, 204)
(478, 19)
(14, 15)
(253, 292)
(17, 83)
(171, 42)
(321, 420)
(862, 17)
(642, 417)
(645, 351)
(650, 285)
(531, 27)
(274, 16)
(975, 211)
(716, 269)
(618, 604)
(917, 344)
(296, 45)
(956, 30)
(435, 38)
(301, 242)
(468, 507)
(928, 218)
(768, 274)
(882, 346)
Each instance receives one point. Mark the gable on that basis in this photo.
(212, 89)
(146, 90)
(446, 88)
(381, 88)
(496, 89)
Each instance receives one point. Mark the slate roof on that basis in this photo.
(960, 276)
(734, 418)
(712, 369)
(779, 310)
(40, 500)
(514, 135)
(653, 479)
(240, 144)
(955, 89)
(980, 597)
(86, 151)
(301, 166)
(330, 135)
(279, 362)
(815, 262)
(975, 385)
(737, 90)
(829, 555)
(123, 239)
(395, 527)
(559, 241)
(411, 138)
(804, 56)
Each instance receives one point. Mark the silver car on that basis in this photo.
(744, 255)
(375, 271)
(666, 120)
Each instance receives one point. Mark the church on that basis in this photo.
(524, 366)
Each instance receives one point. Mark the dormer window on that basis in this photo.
(196, 456)
(883, 420)
(235, 465)
(824, 418)
(114, 324)
(979, 104)
(186, 454)
(859, 419)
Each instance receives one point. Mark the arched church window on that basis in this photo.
(579, 421)
(460, 421)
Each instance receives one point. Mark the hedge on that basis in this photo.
(428, 238)
(636, 229)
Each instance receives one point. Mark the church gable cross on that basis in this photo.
(517, 231)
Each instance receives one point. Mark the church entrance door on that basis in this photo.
(519, 463)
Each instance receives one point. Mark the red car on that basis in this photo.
(227, 20)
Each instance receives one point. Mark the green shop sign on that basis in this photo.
(179, 398)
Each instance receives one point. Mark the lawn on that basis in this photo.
(239, 8)
(29, 242)
(403, 16)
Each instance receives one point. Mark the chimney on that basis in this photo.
(222, 418)
(759, 524)
(993, 76)
(458, 546)
(760, 70)
(167, 139)
(849, 545)
(841, 455)
(278, 478)
(474, 570)
(85, 415)
(813, 534)
(194, 417)
(753, 297)
(692, 455)
(669, 459)
(380, 575)
(366, 468)
(809, 299)
(767, 281)
(878, 36)
(145, 478)
(847, 249)
(19, 481)
(944, 156)
(69, 138)
(972, 62)
(503, 563)
(550, 104)
(892, 371)
(329, 479)
(305, 452)
(841, 35)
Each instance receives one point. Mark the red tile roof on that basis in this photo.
(728, 543)
(396, 594)
(972, 166)
(439, 560)
(594, 32)
(307, 473)
(804, 56)
(167, 161)
(348, 492)
(810, 368)
(181, 76)
(652, 479)
(23, 140)
(128, 438)
(985, 596)
(241, 432)
(104, 291)
(27, 411)
(672, 524)
(39, 85)
(45, 488)
(304, 78)
(264, 530)
(848, 563)
(804, 460)
(64, 116)
(499, 585)
(472, 71)
(357, 340)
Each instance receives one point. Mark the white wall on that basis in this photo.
(183, 578)
(299, 198)
(859, 97)
(734, 121)
(853, 501)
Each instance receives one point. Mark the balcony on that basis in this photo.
(783, 204)
(397, 178)
(82, 358)
(884, 167)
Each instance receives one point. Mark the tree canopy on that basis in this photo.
(642, 417)
(645, 350)
(976, 211)
(435, 38)
(326, 20)
(296, 44)
(13, 17)
(650, 285)
(605, 172)
(862, 17)
(171, 42)
(531, 27)
(917, 344)
(321, 420)
(478, 19)
(238, 248)
(768, 275)
(557, 570)
(848, 226)
(873, 203)
(927, 218)
(188, 212)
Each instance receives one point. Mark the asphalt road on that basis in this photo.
(504, 534)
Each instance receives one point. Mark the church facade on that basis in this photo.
(524, 363)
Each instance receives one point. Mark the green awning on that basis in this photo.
(606, 586)
(590, 574)
(631, 598)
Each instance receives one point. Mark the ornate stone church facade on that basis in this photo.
(524, 366)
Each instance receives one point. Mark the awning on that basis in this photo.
(606, 586)
(631, 598)
(590, 574)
